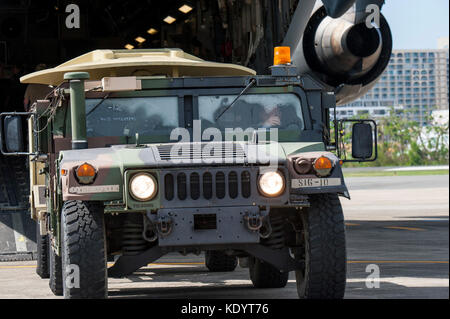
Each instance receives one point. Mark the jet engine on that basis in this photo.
(347, 54)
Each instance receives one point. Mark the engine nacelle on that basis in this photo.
(343, 53)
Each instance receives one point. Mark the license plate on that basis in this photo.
(315, 182)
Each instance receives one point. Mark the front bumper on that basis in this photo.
(208, 226)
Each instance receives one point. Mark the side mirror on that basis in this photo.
(362, 141)
(11, 133)
(363, 138)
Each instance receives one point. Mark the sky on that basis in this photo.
(417, 24)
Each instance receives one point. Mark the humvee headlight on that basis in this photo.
(143, 187)
(302, 166)
(271, 184)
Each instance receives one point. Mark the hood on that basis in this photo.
(187, 154)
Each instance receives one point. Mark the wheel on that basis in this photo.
(321, 247)
(264, 275)
(83, 250)
(218, 261)
(42, 268)
(55, 272)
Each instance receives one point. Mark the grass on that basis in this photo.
(395, 173)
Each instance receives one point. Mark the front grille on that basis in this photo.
(207, 185)
(193, 151)
(181, 186)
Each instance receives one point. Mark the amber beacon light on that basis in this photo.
(282, 55)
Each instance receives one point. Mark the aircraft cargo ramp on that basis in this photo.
(17, 229)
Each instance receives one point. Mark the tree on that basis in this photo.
(403, 141)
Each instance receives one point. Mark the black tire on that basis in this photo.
(42, 267)
(218, 261)
(55, 272)
(83, 245)
(264, 275)
(322, 249)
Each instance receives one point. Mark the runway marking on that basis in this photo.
(397, 262)
(405, 228)
(197, 263)
(15, 267)
(348, 262)
(170, 264)
(21, 244)
(410, 282)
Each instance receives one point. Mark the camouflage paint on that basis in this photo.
(117, 158)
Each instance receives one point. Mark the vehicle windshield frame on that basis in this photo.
(188, 101)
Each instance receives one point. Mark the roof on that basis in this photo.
(149, 62)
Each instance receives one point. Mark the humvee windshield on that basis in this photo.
(148, 116)
(256, 111)
(156, 117)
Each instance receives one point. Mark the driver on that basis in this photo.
(271, 118)
(283, 116)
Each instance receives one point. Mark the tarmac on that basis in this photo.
(397, 227)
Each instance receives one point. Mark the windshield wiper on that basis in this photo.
(249, 85)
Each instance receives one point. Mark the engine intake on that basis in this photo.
(346, 55)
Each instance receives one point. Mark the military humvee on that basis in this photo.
(136, 154)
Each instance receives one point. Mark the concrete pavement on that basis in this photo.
(399, 224)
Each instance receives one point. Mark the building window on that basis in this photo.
(379, 112)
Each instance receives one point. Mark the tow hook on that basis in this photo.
(254, 221)
(266, 230)
(164, 225)
(150, 232)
